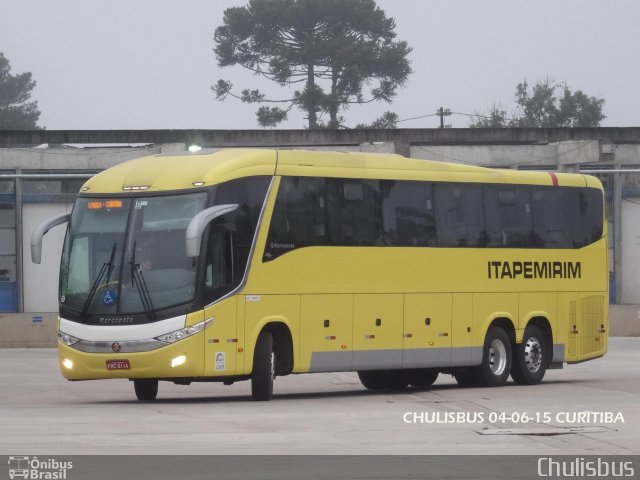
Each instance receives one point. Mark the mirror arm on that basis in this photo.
(198, 223)
(40, 231)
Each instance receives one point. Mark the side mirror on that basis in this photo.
(199, 223)
(40, 231)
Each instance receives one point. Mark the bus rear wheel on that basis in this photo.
(466, 378)
(264, 368)
(146, 390)
(384, 379)
(530, 358)
(496, 359)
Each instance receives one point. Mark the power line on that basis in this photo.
(418, 118)
(446, 112)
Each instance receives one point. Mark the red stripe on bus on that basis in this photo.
(554, 179)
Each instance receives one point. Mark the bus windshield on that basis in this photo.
(127, 255)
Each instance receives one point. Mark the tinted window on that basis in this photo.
(343, 212)
(230, 236)
(459, 215)
(234, 231)
(299, 216)
(354, 212)
(586, 215)
(407, 213)
(508, 216)
(550, 219)
(249, 194)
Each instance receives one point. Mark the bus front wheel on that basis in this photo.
(146, 390)
(264, 368)
(496, 359)
(530, 358)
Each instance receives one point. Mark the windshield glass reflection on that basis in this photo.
(128, 255)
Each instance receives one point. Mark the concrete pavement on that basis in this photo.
(591, 408)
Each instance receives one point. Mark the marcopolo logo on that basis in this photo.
(38, 469)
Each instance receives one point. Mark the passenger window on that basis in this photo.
(508, 216)
(353, 212)
(551, 225)
(459, 215)
(299, 216)
(353, 191)
(407, 213)
(357, 212)
(586, 215)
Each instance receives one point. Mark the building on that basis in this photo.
(41, 172)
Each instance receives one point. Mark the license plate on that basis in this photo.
(118, 365)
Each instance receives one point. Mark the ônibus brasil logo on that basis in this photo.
(37, 469)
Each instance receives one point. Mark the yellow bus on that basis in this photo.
(252, 264)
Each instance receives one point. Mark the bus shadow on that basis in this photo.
(295, 396)
(239, 398)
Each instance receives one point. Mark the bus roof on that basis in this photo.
(166, 172)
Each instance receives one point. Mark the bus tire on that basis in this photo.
(423, 377)
(530, 358)
(264, 368)
(384, 379)
(466, 378)
(146, 390)
(371, 379)
(496, 359)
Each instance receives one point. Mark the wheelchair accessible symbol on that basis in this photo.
(109, 297)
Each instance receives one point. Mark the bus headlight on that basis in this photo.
(67, 339)
(183, 333)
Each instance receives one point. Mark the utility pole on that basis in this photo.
(442, 112)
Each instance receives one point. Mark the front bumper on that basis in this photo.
(150, 364)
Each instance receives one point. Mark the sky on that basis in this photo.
(142, 64)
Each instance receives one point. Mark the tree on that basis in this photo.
(16, 112)
(547, 104)
(337, 52)
(386, 121)
(495, 118)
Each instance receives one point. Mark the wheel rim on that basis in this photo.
(533, 354)
(497, 357)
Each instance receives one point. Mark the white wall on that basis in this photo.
(41, 281)
(631, 250)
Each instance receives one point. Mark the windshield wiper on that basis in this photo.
(105, 272)
(137, 280)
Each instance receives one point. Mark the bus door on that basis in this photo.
(220, 278)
